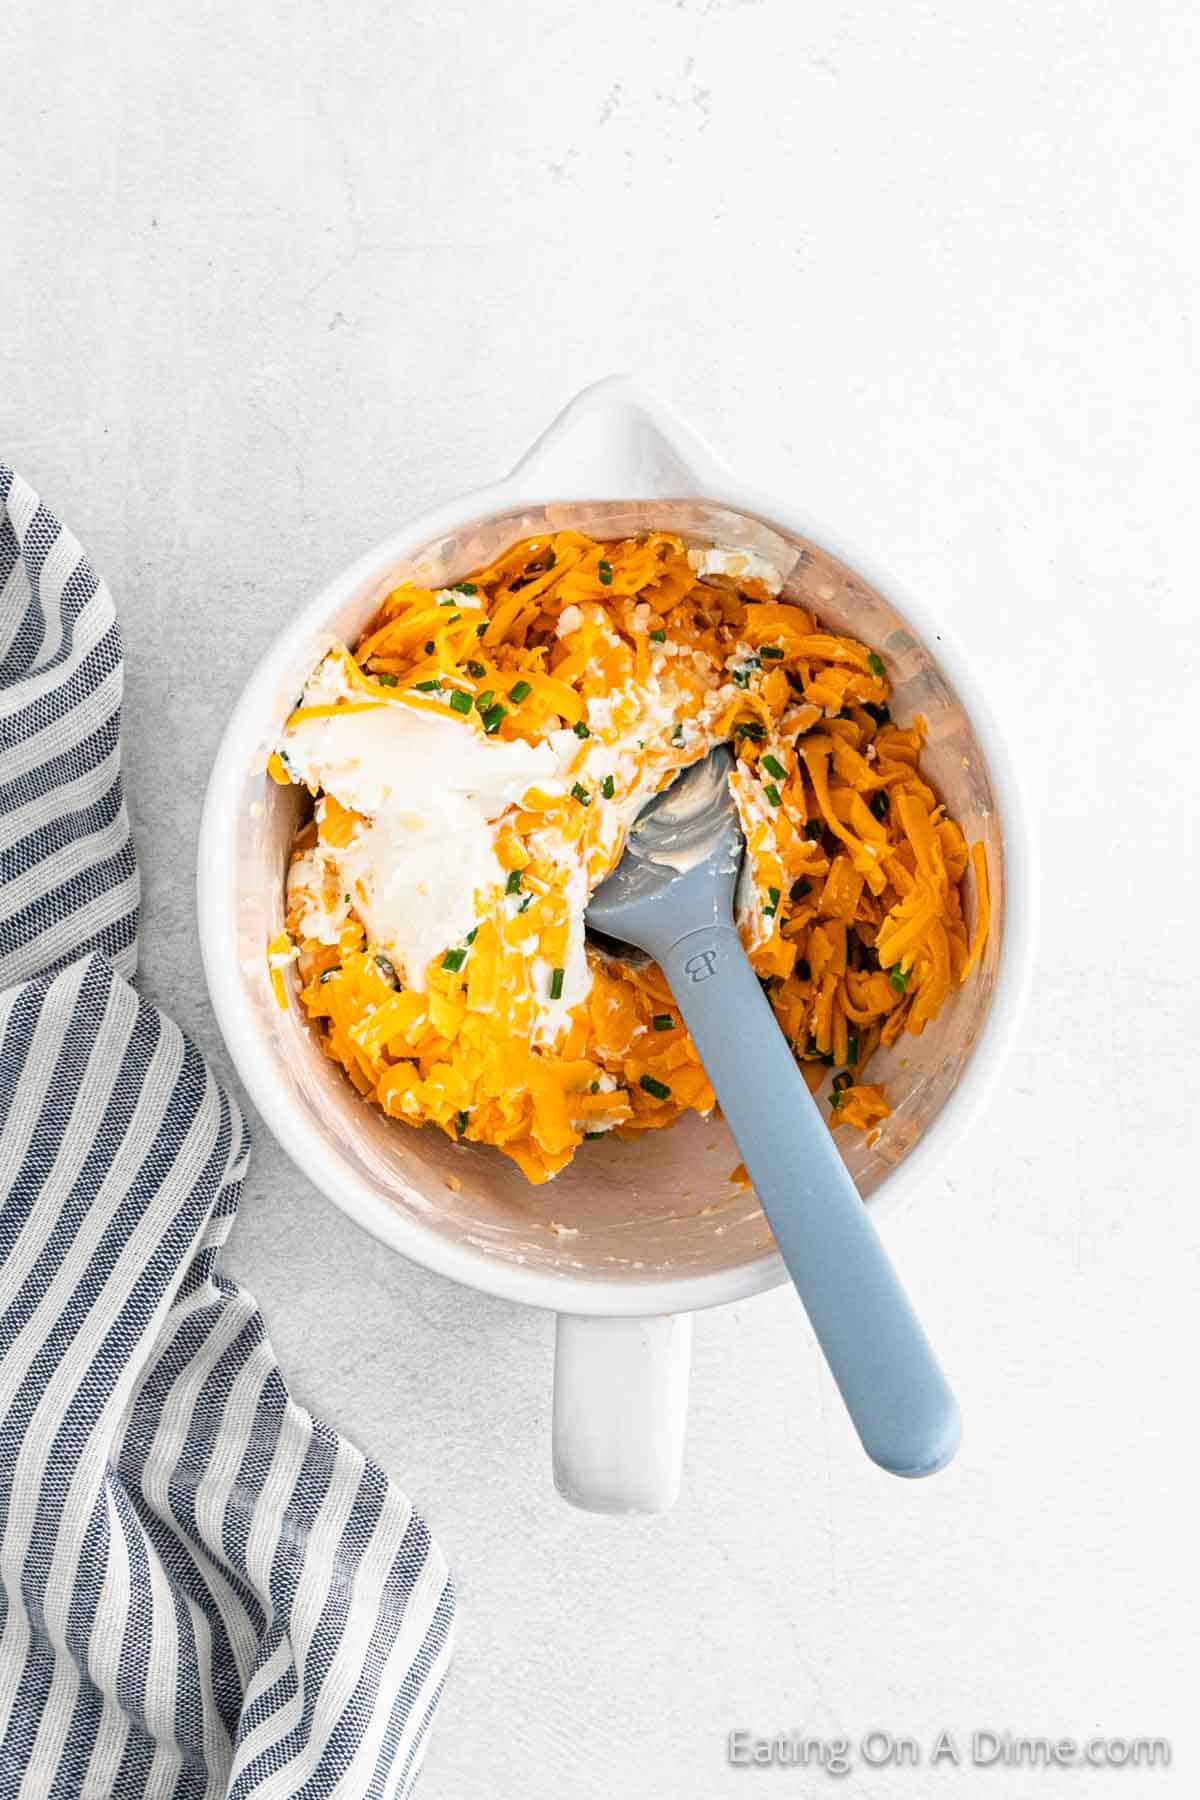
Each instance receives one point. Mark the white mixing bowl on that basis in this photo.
(634, 1235)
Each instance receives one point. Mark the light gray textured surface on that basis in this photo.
(273, 277)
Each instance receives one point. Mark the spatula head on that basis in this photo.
(680, 866)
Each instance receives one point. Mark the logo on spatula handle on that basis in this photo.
(701, 966)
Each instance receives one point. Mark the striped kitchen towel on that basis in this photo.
(203, 1591)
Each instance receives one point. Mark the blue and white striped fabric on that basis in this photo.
(203, 1591)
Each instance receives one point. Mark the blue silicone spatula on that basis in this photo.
(672, 896)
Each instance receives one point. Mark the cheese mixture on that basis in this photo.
(475, 763)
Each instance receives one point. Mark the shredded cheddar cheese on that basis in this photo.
(585, 676)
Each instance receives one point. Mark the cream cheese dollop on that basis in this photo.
(719, 562)
(430, 790)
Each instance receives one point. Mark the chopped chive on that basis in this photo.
(429, 687)
(387, 969)
(608, 787)
(773, 766)
(897, 979)
(604, 571)
(386, 680)
(800, 888)
(475, 670)
(595, 1088)
(851, 1048)
(580, 729)
(875, 664)
(454, 619)
(460, 1122)
(880, 714)
(663, 1021)
(773, 895)
(482, 627)
(328, 974)
(658, 637)
(595, 1134)
(513, 884)
(430, 647)
(526, 903)
(658, 1089)
(740, 677)
(880, 803)
(471, 935)
(454, 959)
(520, 690)
(580, 793)
(803, 969)
(748, 730)
(842, 1080)
(492, 718)
(460, 702)
(677, 734)
(445, 603)
(346, 898)
(773, 794)
(556, 984)
(770, 652)
(465, 587)
(484, 700)
(813, 829)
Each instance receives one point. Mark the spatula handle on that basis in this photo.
(889, 1378)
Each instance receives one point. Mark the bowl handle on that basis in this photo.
(620, 1407)
(617, 441)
